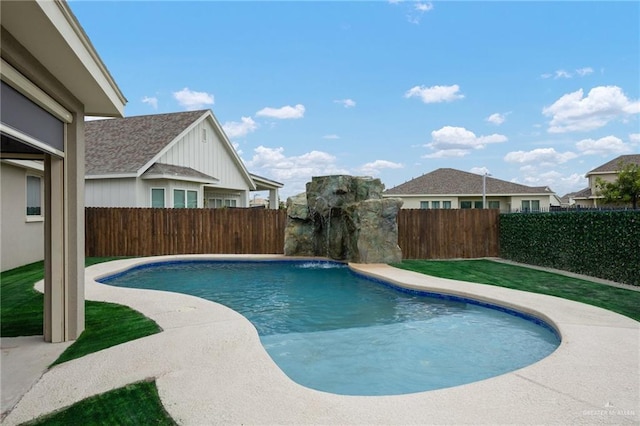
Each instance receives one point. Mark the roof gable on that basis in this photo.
(613, 165)
(125, 145)
(456, 182)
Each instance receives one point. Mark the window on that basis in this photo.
(477, 204)
(446, 204)
(526, 205)
(178, 198)
(465, 204)
(229, 203)
(185, 198)
(435, 204)
(192, 199)
(424, 204)
(494, 204)
(157, 198)
(535, 205)
(34, 195)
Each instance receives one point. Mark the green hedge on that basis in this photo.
(603, 244)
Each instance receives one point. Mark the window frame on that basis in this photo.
(164, 197)
(39, 217)
(466, 204)
(189, 202)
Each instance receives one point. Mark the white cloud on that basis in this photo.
(559, 183)
(584, 71)
(497, 118)
(150, 101)
(236, 146)
(574, 112)
(457, 142)
(295, 171)
(283, 113)
(238, 129)
(331, 136)
(435, 94)
(479, 170)
(603, 146)
(562, 74)
(192, 100)
(540, 156)
(373, 168)
(423, 7)
(566, 74)
(634, 138)
(347, 103)
(447, 153)
(415, 14)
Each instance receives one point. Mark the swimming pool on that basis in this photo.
(330, 329)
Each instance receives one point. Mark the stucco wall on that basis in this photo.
(22, 241)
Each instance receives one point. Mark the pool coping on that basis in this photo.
(210, 367)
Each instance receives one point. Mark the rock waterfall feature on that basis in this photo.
(343, 218)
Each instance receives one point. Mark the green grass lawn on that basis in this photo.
(623, 301)
(106, 324)
(135, 404)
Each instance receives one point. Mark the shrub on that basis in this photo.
(603, 244)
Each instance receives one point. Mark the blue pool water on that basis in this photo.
(333, 330)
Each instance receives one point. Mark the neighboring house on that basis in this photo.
(608, 172)
(22, 212)
(567, 200)
(454, 189)
(51, 77)
(181, 159)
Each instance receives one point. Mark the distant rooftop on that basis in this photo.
(451, 181)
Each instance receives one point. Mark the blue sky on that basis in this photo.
(537, 93)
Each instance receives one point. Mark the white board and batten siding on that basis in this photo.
(203, 150)
(111, 193)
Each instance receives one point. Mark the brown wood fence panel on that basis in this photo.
(448, 234)
(422, 234)
(150, 232)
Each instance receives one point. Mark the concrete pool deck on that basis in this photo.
(210, 367)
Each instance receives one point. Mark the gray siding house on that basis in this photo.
(175, 160)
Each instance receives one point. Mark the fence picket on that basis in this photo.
(422, 234)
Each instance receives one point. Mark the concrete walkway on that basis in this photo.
(210, 367)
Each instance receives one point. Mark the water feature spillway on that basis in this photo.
(343, 218)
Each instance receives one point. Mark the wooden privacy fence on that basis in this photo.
(150, 232)
(422, 234)
(449, 234)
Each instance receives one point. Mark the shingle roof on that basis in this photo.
(452, 181)
(177, 171)
(583, 193)
(124, 145)
(613, 165)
